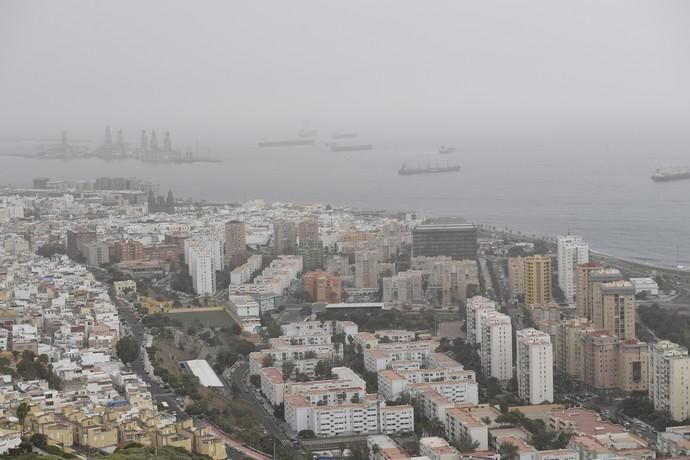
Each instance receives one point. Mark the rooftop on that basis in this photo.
(203, 371)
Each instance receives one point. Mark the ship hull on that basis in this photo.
(351, 148)
(291, 143)
(671, 177)
(412, 172)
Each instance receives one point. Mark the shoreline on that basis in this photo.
(660, 265)
(551, 239)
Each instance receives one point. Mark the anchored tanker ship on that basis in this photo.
(406, 171)
(667, 176)
(344, 135)
(350, 148)
(287, 143)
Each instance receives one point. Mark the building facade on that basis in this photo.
(323, 287)
(284, 237)
(458, 241)
(583, 288)
(537, 279)
(496, 351)
(366, 269)
(534, 366)
(669, 379)
(572, 251)
(516, 276)
(235, 240)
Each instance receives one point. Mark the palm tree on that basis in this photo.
(22, 411)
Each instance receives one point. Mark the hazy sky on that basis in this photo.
(195, 65)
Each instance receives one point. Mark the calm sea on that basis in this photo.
(598, 188)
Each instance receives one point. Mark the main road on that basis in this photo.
(128, 313)
(130, 316)
(240, 377)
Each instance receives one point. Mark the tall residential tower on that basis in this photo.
(572, 251)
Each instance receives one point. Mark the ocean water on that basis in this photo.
(598, 188)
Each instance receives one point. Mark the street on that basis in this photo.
(133, 324)
(240, 377)
(130, 316)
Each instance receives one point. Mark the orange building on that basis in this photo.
(308, 230)
(129, 250)
(323, 287)
(168, 252)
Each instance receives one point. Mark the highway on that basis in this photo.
(680, 280)
(130, 316)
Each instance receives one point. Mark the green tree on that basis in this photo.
(288, 369)
(22, 411)
(465, 443)
(39, 440)
(436, 427)
(508, 451)
(127, 349)
(306, 434)
(323, 369)
(268, 361)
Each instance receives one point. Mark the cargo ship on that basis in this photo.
(406, 171)
(344, 135)
(350, 148)
(287, 143)
(667, 176)
(446, 150)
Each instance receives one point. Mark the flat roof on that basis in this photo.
(332, 306)
(202, 369)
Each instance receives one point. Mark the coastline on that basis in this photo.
(668, 269)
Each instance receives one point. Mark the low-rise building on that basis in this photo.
(460, 422)
(437, 449)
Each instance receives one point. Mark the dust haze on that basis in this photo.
(210, 69)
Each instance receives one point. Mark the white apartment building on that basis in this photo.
(669, 379)
(395, 335)
(366, 340)
(303, 366)
(461, 422)
(437, 449)
(202, 270)
(367, 415)
(534, 366)
(243, 306)
(392, 384)
(674, 441)
(557, 454)
(385, 354)
(275, 278)
(347, 328)
(307, 328)
(443, 374)
(311, 339)
(303, 356)
(243, 273)
(572, 251)
(272, 385)
(433, 404)
(497, 346)
(477, 307)
(212, 247)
